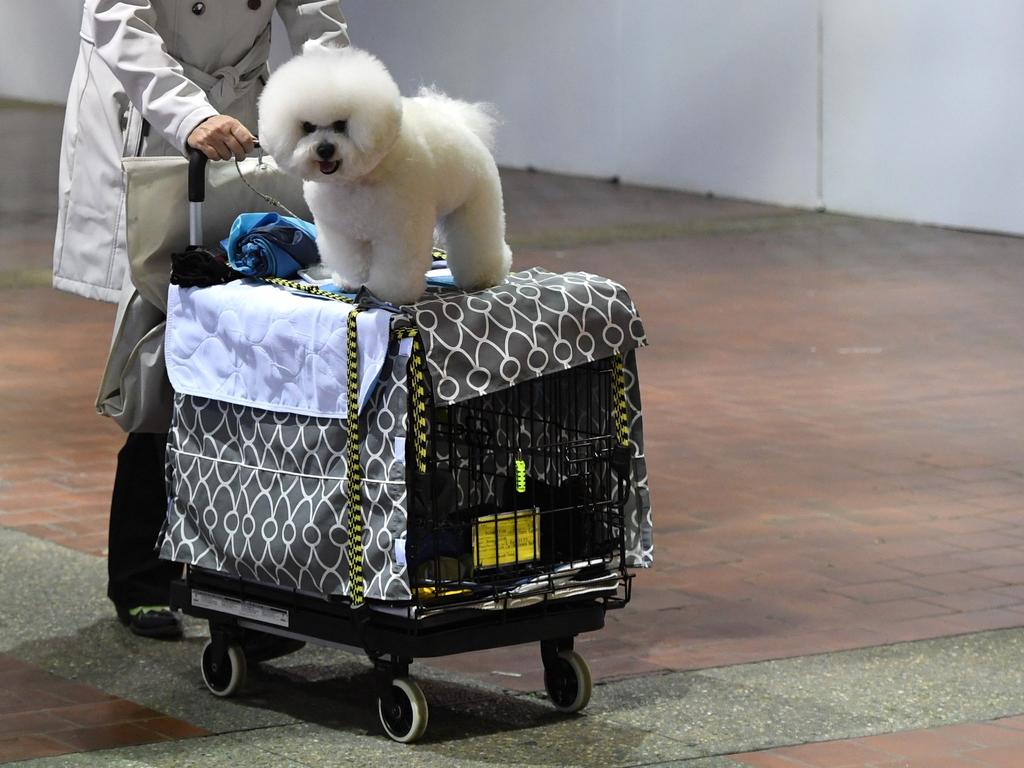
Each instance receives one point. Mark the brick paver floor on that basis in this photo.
(831, 413)
(42, 714)
(995, 744)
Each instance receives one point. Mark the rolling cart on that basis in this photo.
(477, 482)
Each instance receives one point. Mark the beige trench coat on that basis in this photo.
(148, 72)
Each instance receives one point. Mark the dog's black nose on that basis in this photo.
(325, 150)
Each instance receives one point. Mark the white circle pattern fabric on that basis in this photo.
(534, 323)
(263, 495)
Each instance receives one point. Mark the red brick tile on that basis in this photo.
(30, 723)
(1009, 516)
(834, 754)
(29, 747)
(998, 502)
(924, 627)
(35, 517)
(1016, 723)
(997, 757)
(931, 564)
(106, 737)
(985, 734)
(967, 525)
(882, 591)
(172, 728)
(977, 474)
(955, 582)
(975, 600)
(867, 571)
(1016, 591)
(901, 610)
(987, 541)
(29, 700)
(964, 745)
(72, 693)
(991, 558)
(767, 760)
(40, 711)
(916, 744)
(932, 761)
(1008, 575)
(107, 712)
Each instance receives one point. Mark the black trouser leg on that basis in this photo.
(137, 576)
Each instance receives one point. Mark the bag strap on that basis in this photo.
(352, 446)
(620, 405)
(419, 390)
(355, 468)
(295, 285)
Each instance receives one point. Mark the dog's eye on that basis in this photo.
(340, 126)
(308, 127)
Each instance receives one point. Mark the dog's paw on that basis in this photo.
(345, 285)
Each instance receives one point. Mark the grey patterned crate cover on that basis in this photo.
(263, 494)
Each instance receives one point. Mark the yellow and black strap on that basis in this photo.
(355, 468)
(620, 405)
(312, 290)
(419, 390)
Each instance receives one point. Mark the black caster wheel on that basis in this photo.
(567, 681)
(406, 719)
(224, 676)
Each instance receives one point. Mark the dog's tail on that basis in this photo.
(480, 117)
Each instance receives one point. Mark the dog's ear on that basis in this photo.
(375, 126)
(376, 117)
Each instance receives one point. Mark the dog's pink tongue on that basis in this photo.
(328, 167)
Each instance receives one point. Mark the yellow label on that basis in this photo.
(511, 537)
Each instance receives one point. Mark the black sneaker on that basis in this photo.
(154, 621)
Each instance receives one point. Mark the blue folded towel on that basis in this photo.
(265, 244)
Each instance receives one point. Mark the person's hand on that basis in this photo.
(221, 137)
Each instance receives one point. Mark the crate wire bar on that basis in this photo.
(521, 493)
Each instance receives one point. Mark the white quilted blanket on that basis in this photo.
(259, 345)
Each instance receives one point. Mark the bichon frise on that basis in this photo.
(381, 172)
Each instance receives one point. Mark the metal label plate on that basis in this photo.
(243, 608)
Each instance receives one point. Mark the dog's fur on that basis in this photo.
(389, 170)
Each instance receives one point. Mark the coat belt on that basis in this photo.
(226, 85)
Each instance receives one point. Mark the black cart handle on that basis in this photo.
(196, 175)
(197, 194)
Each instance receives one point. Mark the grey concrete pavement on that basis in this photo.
(315, 708)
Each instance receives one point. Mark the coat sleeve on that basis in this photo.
(318, 21)
(127, 41)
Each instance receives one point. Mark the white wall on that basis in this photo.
(673, 93)
(905, 109)
(923, 110)
(554, 79)
(721, 100)
(38, 48)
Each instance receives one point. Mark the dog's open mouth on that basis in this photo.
(329, 167)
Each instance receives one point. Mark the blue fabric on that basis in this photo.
(267, 244)
(441, 280)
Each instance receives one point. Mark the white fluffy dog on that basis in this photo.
(382, 171)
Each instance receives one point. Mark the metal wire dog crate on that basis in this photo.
(520, 488)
